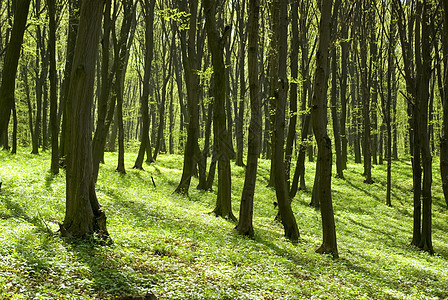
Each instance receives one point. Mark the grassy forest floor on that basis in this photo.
(171, 245)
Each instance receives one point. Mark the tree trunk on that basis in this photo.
(279, 85)
(293, 87)
(318, 111)
(345, 45)
(53, 88)
(84, 216)
(8, 82)
(424, 71)
(216, 45)
(121, 55)
(334, 96)
(73, 8)
(245, 226)
(190, 62)
(105, 101)
(443, 86)
(242, 58)
(149, 54)
(365, 87)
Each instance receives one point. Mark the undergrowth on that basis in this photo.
(172, 245)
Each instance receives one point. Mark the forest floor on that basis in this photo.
(172, 246)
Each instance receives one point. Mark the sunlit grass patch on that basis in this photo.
(173, 246)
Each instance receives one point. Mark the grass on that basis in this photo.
(172, 246)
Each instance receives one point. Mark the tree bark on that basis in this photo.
(83, 216)
(245, 226)
(443, 86)
(294, 66)
(105, 101)
(73, 8)
(216, 45)
(12, 55)
(279, 82)
(53, 88)
(334, 96)
(190, 62)
(324, 155)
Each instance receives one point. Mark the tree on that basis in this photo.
(121, 57)
(10, 66)
(216, 45)
(83, 216)
(318, 111)
(190, 62)
(53, 87)
(244, 226)
(239, 113)
(149, 47)
(279, 87)
(417, 73)
(443, 86)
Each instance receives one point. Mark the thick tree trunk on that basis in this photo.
(244, 226)
(8, 82)
(324, 155)
(84, 216)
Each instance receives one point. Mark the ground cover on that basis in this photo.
(172, 246)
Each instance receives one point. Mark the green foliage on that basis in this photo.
(171, 244)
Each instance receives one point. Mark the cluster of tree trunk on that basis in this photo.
(295, 78)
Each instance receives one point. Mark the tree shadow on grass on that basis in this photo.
(15, 210)
(111, 279)
(49, 178)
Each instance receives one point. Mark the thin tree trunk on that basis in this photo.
(216, 45)
(245, 226)
(294, 66)
(53, 87)
(334, 97)
(73, 8)
(242, 58)
(105, 101)
(279, 22)
(190, 63)
(324, 155)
